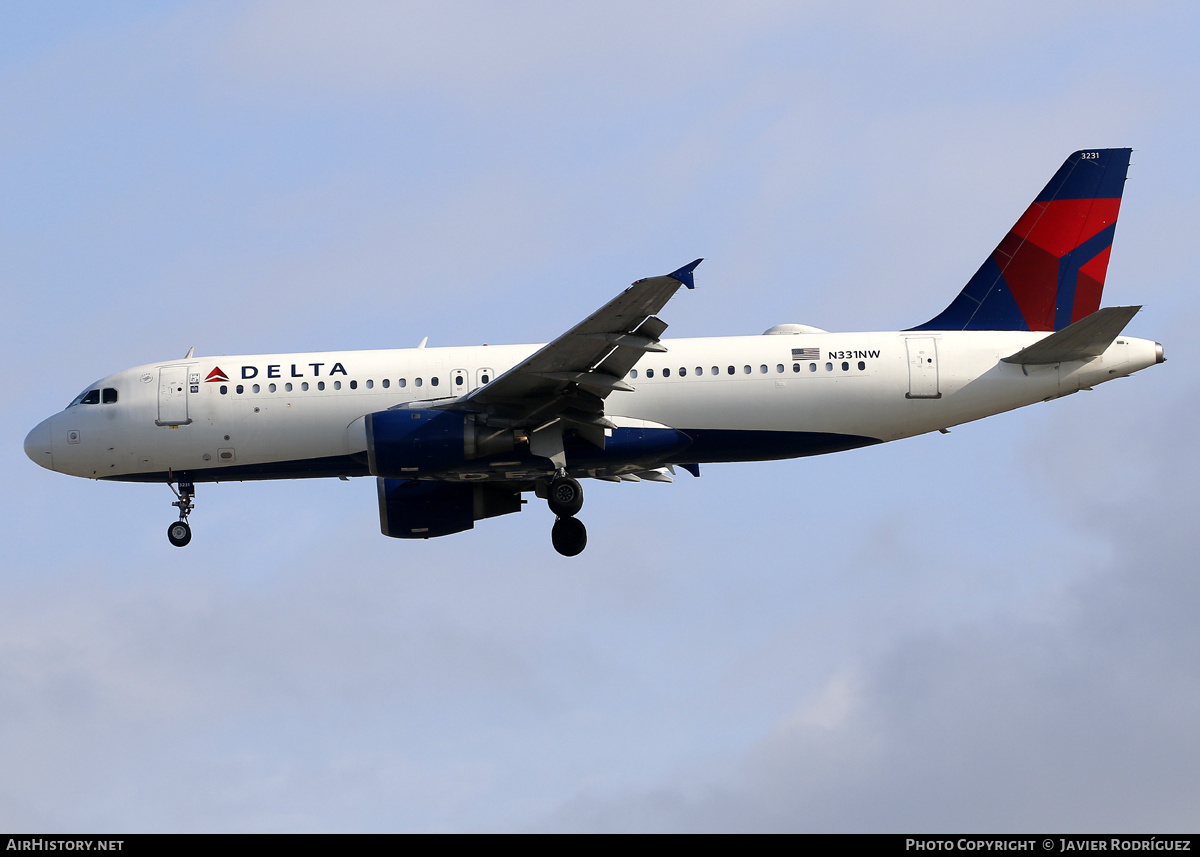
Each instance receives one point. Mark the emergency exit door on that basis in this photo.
(459, 380)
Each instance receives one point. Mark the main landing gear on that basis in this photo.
(565, 499)
(179, 533)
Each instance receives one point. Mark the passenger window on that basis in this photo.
(716, 371)
(110, 396)
(240, 389)
(288, 387)
(271, 387)
(304, 386)
(845, 367)
(403, 382)
(666, 373)
(224, 389)
(731, 370)
(795, 367)
(763, 368)
(484, 379)
(812, 367)
(337, 385)
(419, 382)
(861, 366)
(354, 385)
(828, 367)
(458, 380)
(433, 380)
(257, 388)
(699, 370)
(386, 383)
(779, 367)
(682, 371)
(649, 373)
(632, 373)
(320, 385)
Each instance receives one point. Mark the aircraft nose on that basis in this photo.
(37, 445)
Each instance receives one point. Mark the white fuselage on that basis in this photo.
(275, 412)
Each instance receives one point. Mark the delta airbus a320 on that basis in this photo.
(455, 435)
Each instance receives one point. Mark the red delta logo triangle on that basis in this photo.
(216, 375)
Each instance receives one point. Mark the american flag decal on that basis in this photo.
(806, 353)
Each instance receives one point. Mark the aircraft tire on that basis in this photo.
(569, 536)
(179, 533)
(566, 497)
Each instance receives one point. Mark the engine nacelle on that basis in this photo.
(404, 443)
(423, 510)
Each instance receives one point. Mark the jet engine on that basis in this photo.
(404, 444)
(423, 510)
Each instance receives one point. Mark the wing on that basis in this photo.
(564, 384)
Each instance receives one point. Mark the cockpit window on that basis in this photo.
(109, 395)
(87, 397)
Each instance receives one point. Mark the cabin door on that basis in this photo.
(172, 396)
(922, 368)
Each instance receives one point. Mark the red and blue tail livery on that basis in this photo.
(1049, 270)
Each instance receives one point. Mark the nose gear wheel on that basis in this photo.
(179, 533)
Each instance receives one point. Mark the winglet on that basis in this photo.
(684, 274)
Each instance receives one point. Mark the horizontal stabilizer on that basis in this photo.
(1087, 338)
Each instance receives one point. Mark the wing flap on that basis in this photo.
(594, 380)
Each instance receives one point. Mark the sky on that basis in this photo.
(993, 630)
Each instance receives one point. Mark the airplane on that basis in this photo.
(456, 435)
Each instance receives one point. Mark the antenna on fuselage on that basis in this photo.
(191, 351)
(423, 341)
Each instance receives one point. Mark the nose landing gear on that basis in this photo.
(565, 499)
(180, 533)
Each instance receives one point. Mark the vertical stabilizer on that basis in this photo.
(1049, 270)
